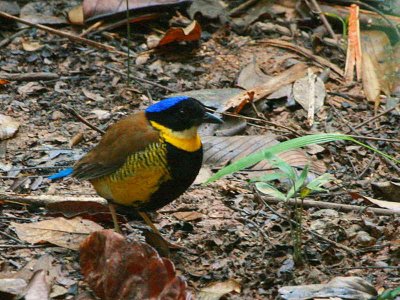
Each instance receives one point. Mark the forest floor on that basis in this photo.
(228, 233)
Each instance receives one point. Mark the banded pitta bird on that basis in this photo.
(148, 159)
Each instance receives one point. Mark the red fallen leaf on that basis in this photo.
(119, 270)
(190, 33)
(4, 81)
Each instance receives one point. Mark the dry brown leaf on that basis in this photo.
(394, 206)
(354, 53)
(370, 80)
(67, 233)
(38, 288)
(116, 269)
(175, 34)
(301, 90)
(379, 65)
(31, 46)
(95, 9)
(297, 71)
(8, 127)
(218, 151)
(251, 76)
(188, 215)
(91, 95)
(340, 287)
(216, 290)
(11, 287)
(75, 15)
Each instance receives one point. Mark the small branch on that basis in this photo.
(82, 119)
(43, 200)
(63, 34)
(29, 76)
(336, 206)
(376, 116)
(11, 37)
(323, 19)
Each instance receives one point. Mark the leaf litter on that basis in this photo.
(223, 226)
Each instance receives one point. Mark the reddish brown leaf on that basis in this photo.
(175, 34)
(118, 270)
(353, 58)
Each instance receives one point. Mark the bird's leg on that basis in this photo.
(114, 218)
(149, 223)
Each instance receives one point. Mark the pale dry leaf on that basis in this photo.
(370, 79)
(394, 206)
(101, 114)
(301, 90)
(218, 151)
(342, 287)
(75, 15)
(216, 290)
(251, 76)
(31, 46)
(30, 88)
(8, 127)
(188, 215)
(286, 77)
(67, 233)
(12, 287)
(91, 95)
(38, 288)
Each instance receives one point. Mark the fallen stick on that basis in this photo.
(336, 206)
(43, 200)
(67, 35)
(29, 76)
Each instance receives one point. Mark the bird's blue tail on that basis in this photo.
(61, 174)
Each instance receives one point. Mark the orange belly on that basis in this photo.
(132, 190)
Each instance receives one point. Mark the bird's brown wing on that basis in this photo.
(129, 135)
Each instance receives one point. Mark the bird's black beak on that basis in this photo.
(210, 118)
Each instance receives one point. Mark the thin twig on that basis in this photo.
(391, 163)
(13, 36)
(12, 238)
(367, 167)
(323, 19)
(376, 116)
(82, 119)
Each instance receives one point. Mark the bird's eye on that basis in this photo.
(182, 112)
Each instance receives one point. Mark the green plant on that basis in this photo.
(299, 188)
(390, 294)
(292, 144)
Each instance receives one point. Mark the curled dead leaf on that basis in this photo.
(116, 269)
(190, 33)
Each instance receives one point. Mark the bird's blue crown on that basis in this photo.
(165, 104)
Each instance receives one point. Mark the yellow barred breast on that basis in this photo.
(137, 179)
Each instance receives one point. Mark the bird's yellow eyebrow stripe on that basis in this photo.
(187, 140)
